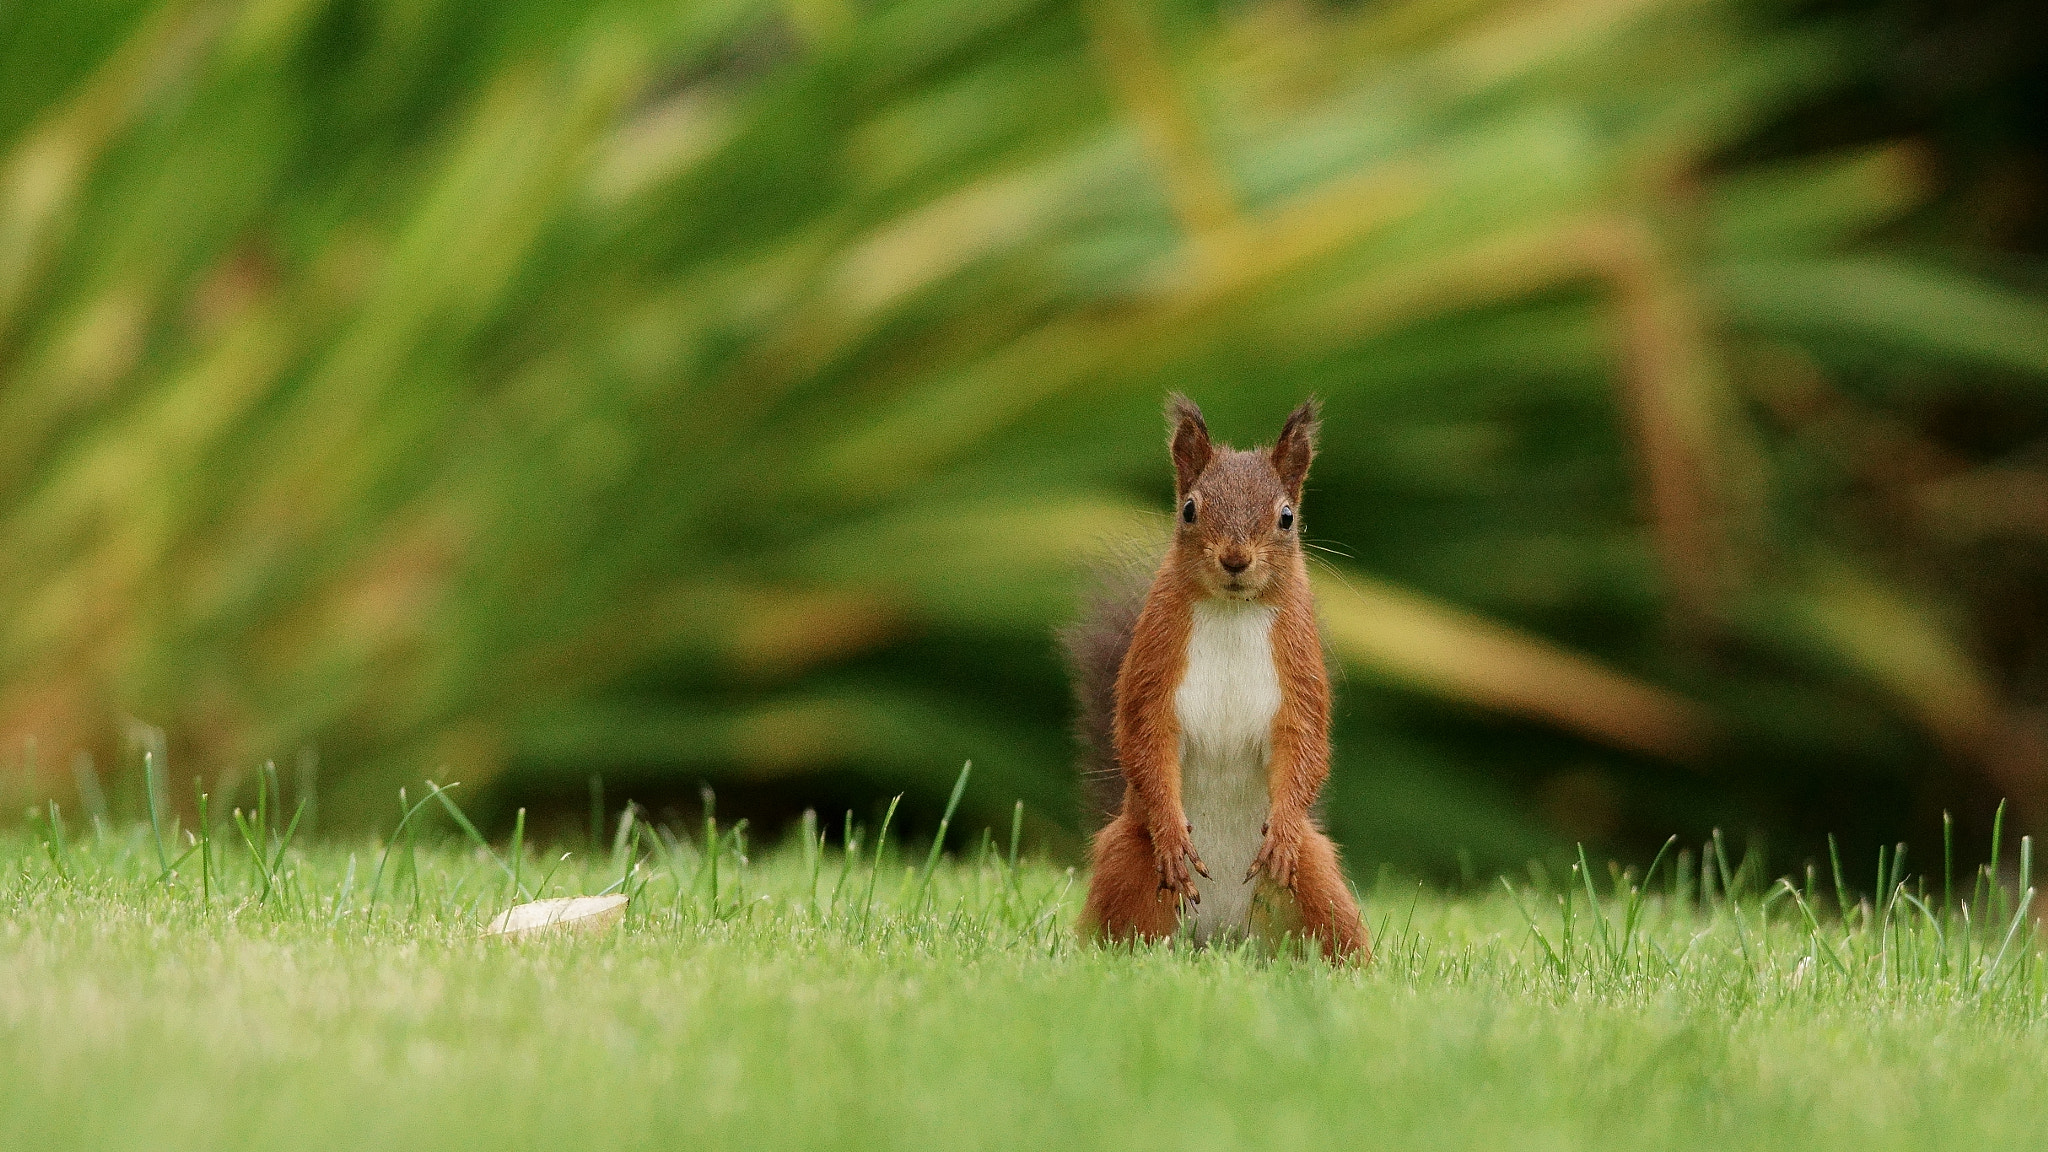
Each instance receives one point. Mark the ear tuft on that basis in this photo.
(1188, 437)
(1297, 446)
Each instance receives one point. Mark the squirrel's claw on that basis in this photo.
(1175, 855)
(1195, 857)
(1188, 888)
(1277, 858)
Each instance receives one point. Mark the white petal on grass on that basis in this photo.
(568, 914)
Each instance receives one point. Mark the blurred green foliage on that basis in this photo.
(729, 391)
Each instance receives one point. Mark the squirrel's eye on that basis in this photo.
(1286, 518)
(1187, 512)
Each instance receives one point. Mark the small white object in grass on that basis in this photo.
(568, 913)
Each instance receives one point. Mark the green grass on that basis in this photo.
(342, 997)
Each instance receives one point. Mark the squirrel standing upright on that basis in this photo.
(1218, 714)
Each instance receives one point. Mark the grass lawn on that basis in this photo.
(338, 996)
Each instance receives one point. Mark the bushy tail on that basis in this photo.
(1094, 645)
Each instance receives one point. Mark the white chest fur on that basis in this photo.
(1225, 705)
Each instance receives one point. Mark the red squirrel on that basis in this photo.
(1218, 716)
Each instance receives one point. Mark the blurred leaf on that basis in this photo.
(1901, 647)
(1440, 650)
(1893, 303)
(1815, 203)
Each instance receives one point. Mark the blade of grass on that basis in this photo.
(2012, 930)
(348, 883)
(518, 852)
(1729, 890)
(455, 813)
(814, 852)
(1556, 962)
(205, 848)
(1016, 834)
(404, 820)
(60, 855)
(875, 861)
(1997, 886)
(550, 877)
(1813, 928)
(156, 828)
(255, 854)
(621, 835)
(931, 861)
(1948, 864)
(1593, 905)
(713, 847)
(284, 841)
(262, 821)
(849, 850)
(1933, 921)
(1841, 888)
(1637, 896)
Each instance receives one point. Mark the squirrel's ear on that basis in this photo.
(1189, 438)
(1297, 445)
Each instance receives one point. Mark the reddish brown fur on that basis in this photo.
(1144, 859)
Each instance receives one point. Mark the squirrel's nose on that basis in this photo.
(1234, 564)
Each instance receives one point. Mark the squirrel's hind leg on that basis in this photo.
(1125, 901)
(1326, 911)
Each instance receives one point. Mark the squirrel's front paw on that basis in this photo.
(1173, 851)
(1279, 853)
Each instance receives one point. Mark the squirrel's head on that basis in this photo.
(1237, 515)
